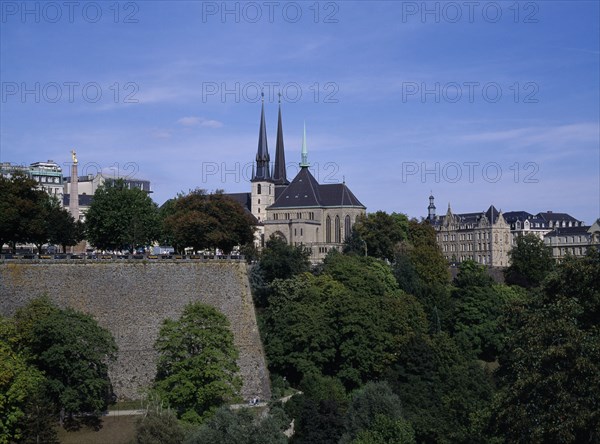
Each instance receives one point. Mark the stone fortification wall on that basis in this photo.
(131, 299)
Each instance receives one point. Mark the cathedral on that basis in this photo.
(301, 212)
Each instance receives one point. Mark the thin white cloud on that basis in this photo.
(200, 121)
(522, 137)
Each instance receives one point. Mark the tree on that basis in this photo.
(282, 261)
(206, 221)
(549, 372)
(386, 430)
(478, 305)
(530, 262)
(121, 218)
(441, 389)
(196, 370)
(73, 351)
(64, 230)
(321, 325)
(241, 427)
(319, 411)
(158, 426)
(381, 232)
(20, 386)
(24, 211)
(374, 410)
(421, 270)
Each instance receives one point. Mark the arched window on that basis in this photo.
(347, 227)
(328, 229)
(337, 229)
(258, 189)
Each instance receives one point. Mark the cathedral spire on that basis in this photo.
(304, 163)
(262, 154)
(279, 173)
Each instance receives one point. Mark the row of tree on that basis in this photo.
(122, 218)
(30, 215)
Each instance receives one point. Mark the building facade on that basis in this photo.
(302, 212)
(48, 176)
(483, 237)
(488, 237)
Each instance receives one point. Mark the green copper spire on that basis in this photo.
(304, 163)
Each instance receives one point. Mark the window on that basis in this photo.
(258, 189)
(301, 232)
(347, 227)
(328, 229)
(298, 215)
(259, 201)
(337, 229)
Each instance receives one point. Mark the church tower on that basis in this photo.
(263, 188)
(279, 173)
(431, 209)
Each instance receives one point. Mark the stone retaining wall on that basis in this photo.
(132, 298)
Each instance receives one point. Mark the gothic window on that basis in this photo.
(258, 189)
(347, 228)
(259, 201)
(337, 229)
(328, 229)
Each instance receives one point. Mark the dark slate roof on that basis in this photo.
(492, 214)
(279, 172)
(305, 191)
(513, 216)
(569, 231)
(338, 194)
(84, 200)
(551, 216)
(262, 154)
(245, 200)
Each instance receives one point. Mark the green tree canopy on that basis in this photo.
(20, 386)
(321, 325)
(28, 214)
(73, 351)
(121, 218)
(197, 370)
(241, 427)
(374, 410)
(530, 262)
(381, 232)
(206, 221)
(549, 372)
(441, 389)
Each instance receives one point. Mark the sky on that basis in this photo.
(479, 102)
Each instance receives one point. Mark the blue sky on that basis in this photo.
(480, 103)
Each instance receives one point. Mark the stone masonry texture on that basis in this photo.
(132, 298)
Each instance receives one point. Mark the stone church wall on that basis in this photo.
(131, 299)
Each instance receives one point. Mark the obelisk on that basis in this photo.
(74, 192)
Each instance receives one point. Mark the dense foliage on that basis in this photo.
(53, 365)
(121, 218)
(355, 319)
(530, 262)
(197, 370)
(205, 221)
(30, 215)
